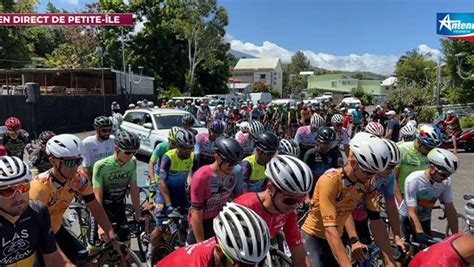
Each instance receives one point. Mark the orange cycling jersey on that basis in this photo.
(333, 200)
(56, 196)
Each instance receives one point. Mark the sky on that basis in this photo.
(362, 35)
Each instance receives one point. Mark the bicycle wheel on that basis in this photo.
(462, 225)
(143, 237)
(134, 259)
(160, 251)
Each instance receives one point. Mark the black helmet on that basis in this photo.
(229, 149)
(187, 119)
(102, 121)
(267, 141)
(185, 138)
(45, 136)
(326, 135)
(127, 141)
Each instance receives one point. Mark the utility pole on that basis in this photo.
(438, 83)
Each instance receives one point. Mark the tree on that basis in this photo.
(413, 67)
(261, 87)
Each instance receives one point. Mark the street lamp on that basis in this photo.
(459, 58)
(132, 80)
(437, 92)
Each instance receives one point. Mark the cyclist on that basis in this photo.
(204, 112)
(37, 155)
(365, 115)
(374, 128)
(176, 169)
(408, 133)
(212, 186)
(306, 135)
(456, 250)
(337, 121)
(253, 166)
(356, 117)
(335, 195)
(306, 115)
(323, 157)
(247, 134)
(219, 113)
(347, 118)
(157, 155)
(414, 156)
(422, 189)
(204, 148)
(14, 139)
(244, 112)
(383, 184)
(112, 177)
(293, 121)
(453, 121)
(289, 147)
(242, 239)
(24, 224)
(289, 182)
(98, 146)
(58, 186)
(393, 126)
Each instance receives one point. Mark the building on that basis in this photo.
(240, 88)
(343, 84)
(90, 81)
(266, 70)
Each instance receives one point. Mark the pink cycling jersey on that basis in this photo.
(246, 143)
(276, 222)
(440, 255)
(197, 255)
(209, 192)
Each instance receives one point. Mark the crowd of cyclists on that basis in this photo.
(313, 173)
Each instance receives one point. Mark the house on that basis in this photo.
(240, 88)
(390, 83)
(266, 70)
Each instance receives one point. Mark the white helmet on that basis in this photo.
(13, 171)
(370, 152)
(289, 174)
(374, 128)
(289, 147)
(242, 234)
(395, 153)
(469, 210)
(337, 119)
(408, 130)
(244, 127)
(443, 159)
(412, 122)
(65, 145)
(256, 127)
(316, 121)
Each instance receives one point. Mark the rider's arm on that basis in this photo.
(411, 202)
(47, 241)
(95, 204)
(164, 173)
(151, 164)
(134, 192)
(199, 194)
(391, 206)
(398, 193)
(337, 247)
(449, 208)
(294, 240)
(455, 145)
(53, 259)
(299, 255)
(246, 172)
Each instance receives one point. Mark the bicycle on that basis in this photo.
(78, 213)
(106, 255)
(174, 235)
(462, 221)
(279, 253)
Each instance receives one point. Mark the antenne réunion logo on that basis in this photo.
(455, 25)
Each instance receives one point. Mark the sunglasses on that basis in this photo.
(291, 200)
(70, 163)
(13, 132)
(267, 153)
(128, 153)
(10, 191)
(105, 130)
(442, 173)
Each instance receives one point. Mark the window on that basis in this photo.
(148, 119)
(168, 121)
(334, 83)
(134, 117)
(263, 76)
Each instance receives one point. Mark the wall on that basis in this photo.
(61, 114)
(144, 87)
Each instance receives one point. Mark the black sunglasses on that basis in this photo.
(128, 153)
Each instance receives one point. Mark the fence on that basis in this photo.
(61, 114)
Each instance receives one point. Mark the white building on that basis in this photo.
(266, 70)
(389, 84)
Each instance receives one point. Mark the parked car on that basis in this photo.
(152, 125)
(351, 103)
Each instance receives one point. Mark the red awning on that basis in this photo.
(234, 80)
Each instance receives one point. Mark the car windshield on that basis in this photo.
(213, 103)
(168, 121)
(352, 105)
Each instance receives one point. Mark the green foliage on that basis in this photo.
(172, 91)
(413, 67)
(276, 94)
(365, 98)
(403, 96)
(426, 113)
(261, 87)
(467, 122)
(292, 81)
(357, 92)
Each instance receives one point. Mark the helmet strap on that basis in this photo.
(9, 213)
(273, 201)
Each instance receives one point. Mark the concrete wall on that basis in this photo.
(61, 114)
(144, 87)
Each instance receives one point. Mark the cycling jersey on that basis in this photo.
(346, 122)
(57, 196)
(412, 160)
(209, 192)
(422, 193)
(440, 255)
(293, 118)
(247, 144)
(333, 201)
(245, 115)
(218, 115)
(306, 115)
(341, 137)
(383, 185)
(95, 150)
(305, 137)
(320, 163)
(197, 255)
(204, 148)
(39, 159)
(357, 116)
(30, 233)
(203, 113)
(275, 222)
(253, 173)
(156, 157)
(15, 147)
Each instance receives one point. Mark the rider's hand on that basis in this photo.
(359, 251)
(102, 234)
(169, 209)
(117, 247)
(400, 243)
(423, 238)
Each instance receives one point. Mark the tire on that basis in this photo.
(143, 237)
(462, 225)
(159, 252)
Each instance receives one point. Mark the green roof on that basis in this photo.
(257, 63)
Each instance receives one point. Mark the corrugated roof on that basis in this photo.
(257, 63)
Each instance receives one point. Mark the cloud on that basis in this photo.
(381, 64)
(71, 2)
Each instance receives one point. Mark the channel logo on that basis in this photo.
(455, 25)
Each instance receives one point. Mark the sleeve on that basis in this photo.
(97, 179)
(371, 201)
(47, 239)
(195, 163)
(239, 186)
(197, 146)
(448, 192)
(39, 192)
(345, 137)
(199, 189)
(292, 231)
(154, 155)
(327, 200)
(389, 192)
(308, 156)
(134, 171)
(411, 189)
(391, 125)
(246, 171)
(85, 187)
(165, 167)
(298, 136)
(87, 159)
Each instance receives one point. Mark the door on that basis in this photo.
(134, 123)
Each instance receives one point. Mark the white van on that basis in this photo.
(195, 100)
(351, 103)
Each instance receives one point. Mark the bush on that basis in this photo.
(467, 122)
(426, 114)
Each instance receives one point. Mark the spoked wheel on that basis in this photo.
(143, 237)
(160, 251)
